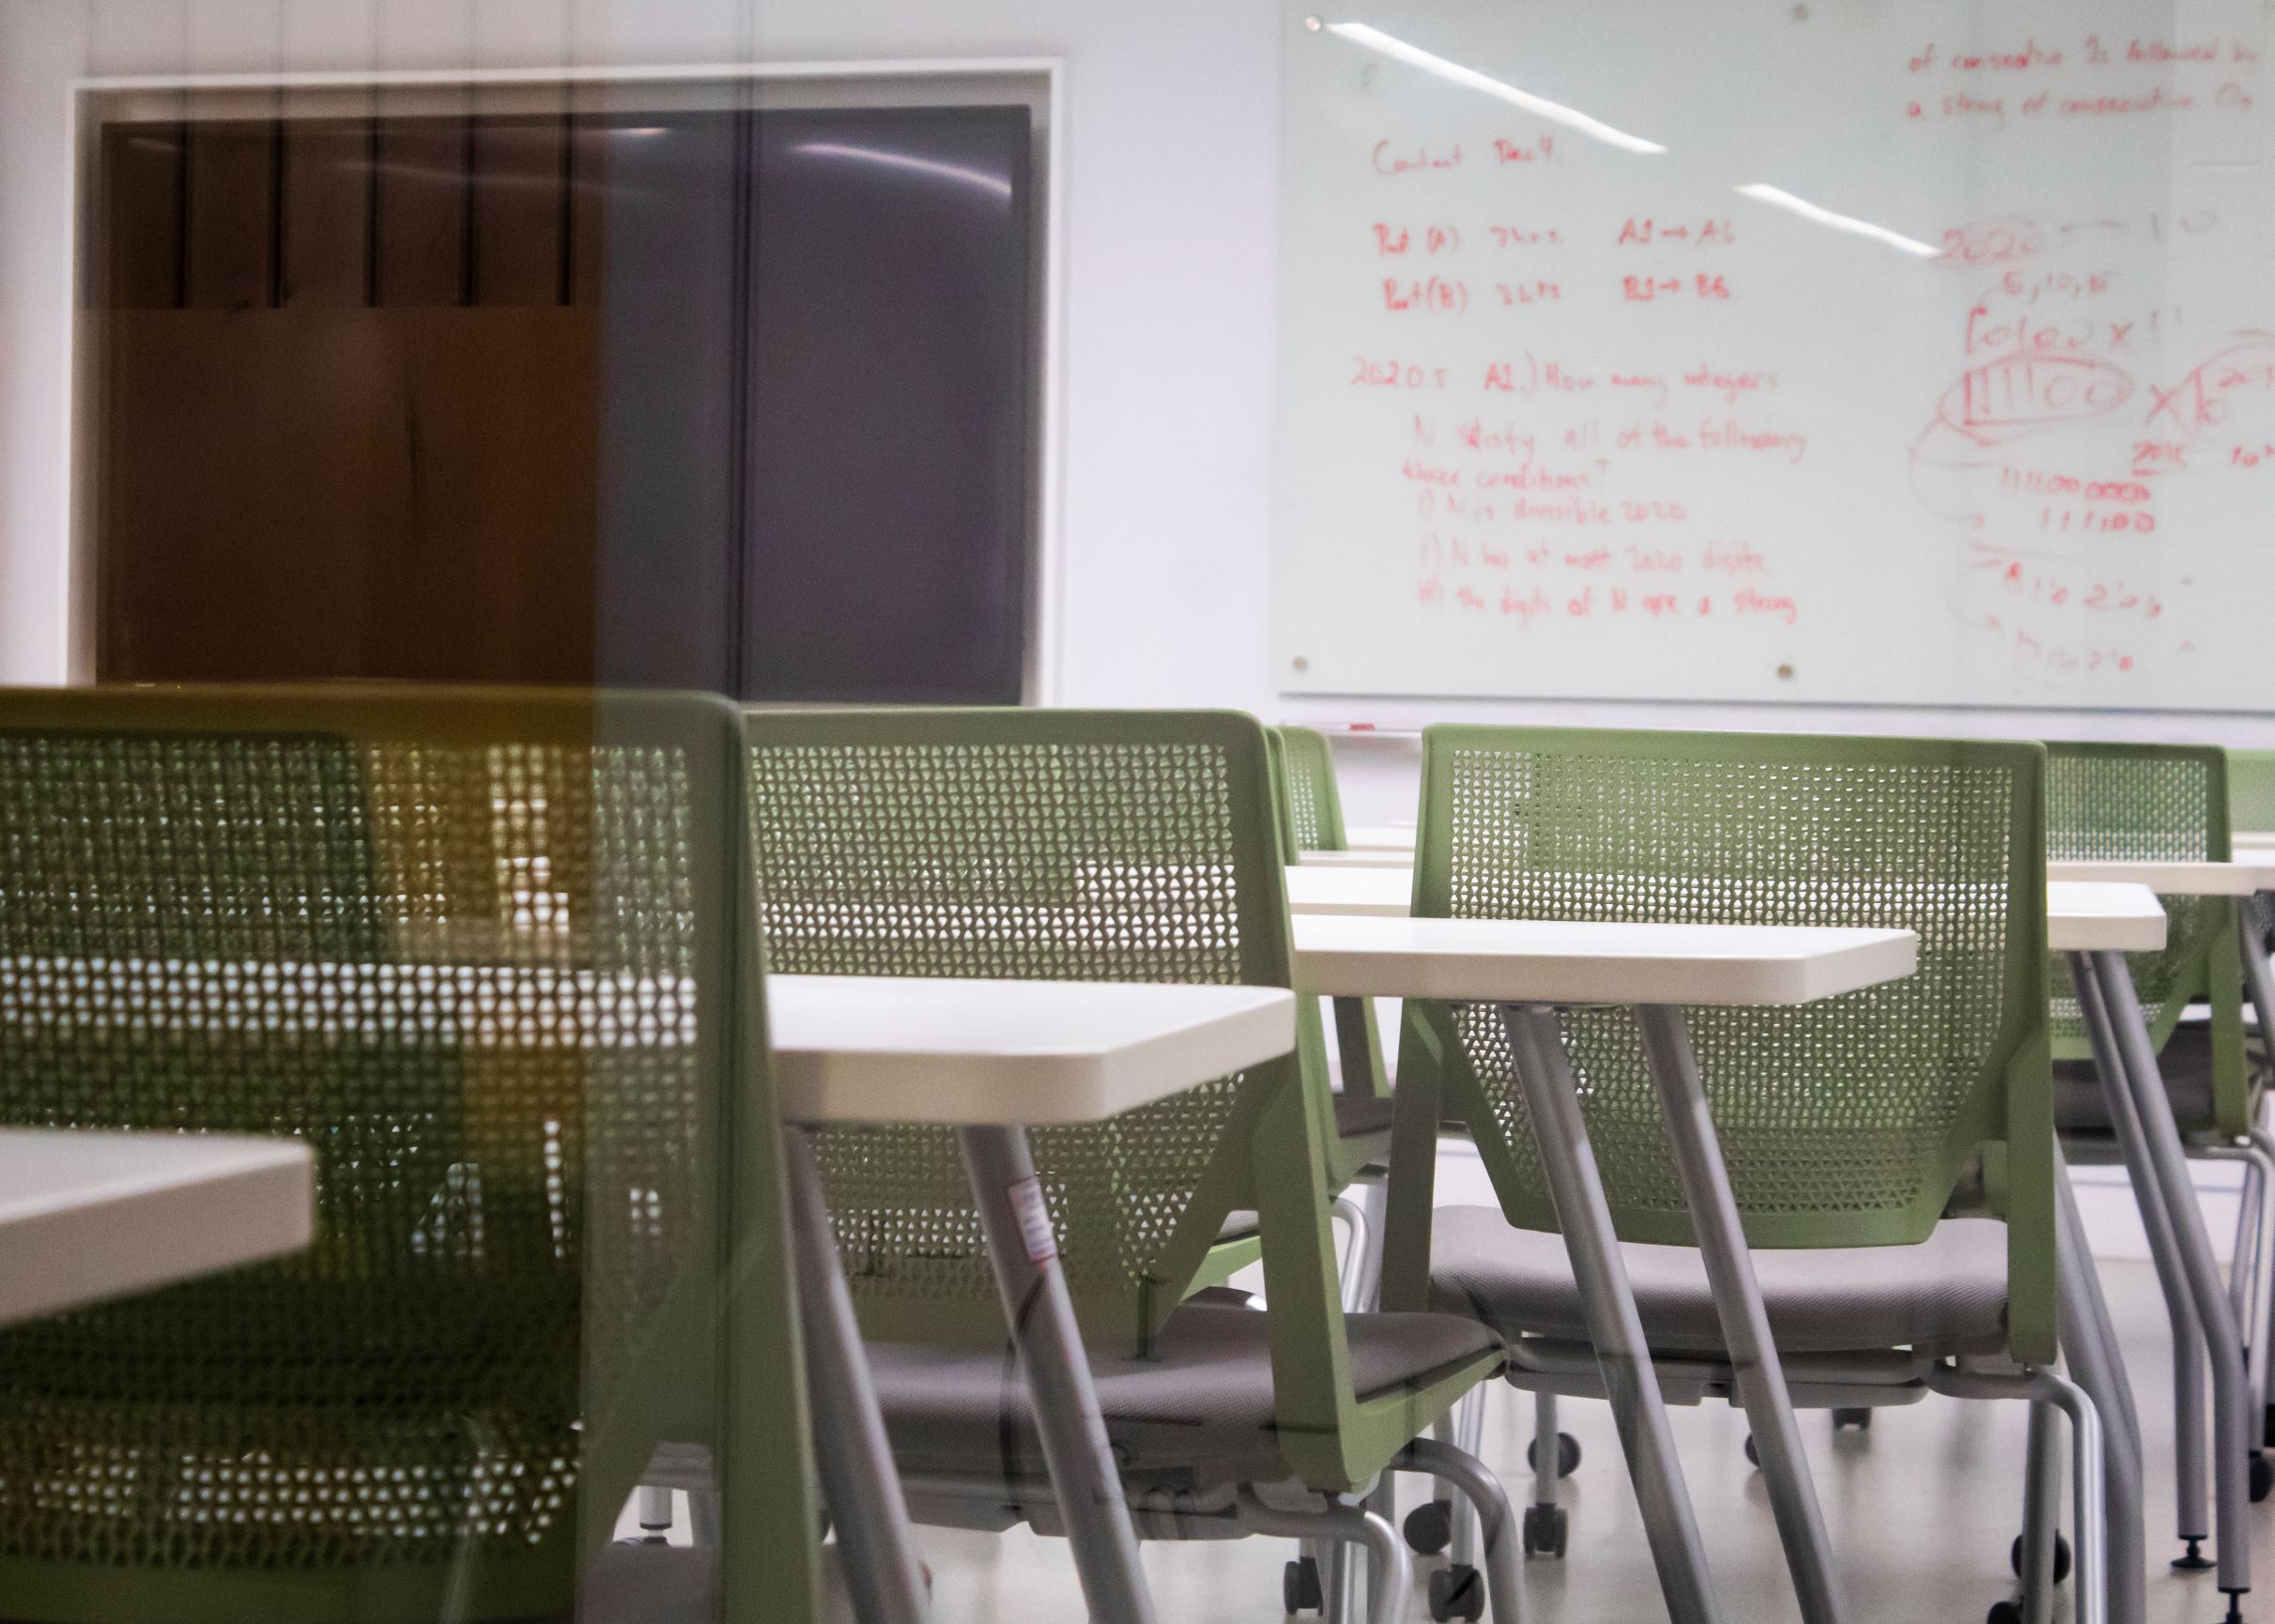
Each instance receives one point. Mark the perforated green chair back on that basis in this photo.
(1315, 802)
(1052, 845)
(1072, 845)
(2252, 810)
(494, 958)
(1848, 1122)
(2251, 791)
(2113, 802)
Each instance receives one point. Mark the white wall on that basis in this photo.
(1170, 148)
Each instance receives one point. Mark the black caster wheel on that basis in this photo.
(2263, 1477)
(1545, 1527)
(2004, 1613)
(1752, 1454)
(1429, 1527)
(1299, 1590)
(1567, 1454)
(2267, 1428)
(2061, 1557)
(1860, 1419)
(1457, 1592)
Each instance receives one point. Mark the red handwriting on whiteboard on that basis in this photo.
(1693, 232)
(1644, 290)
(1993, 241)
(1409, 161)
(1537, 150)
(2018, 393)
(1370, 372)
(1399, 240)
(1438, 295)
(2211, 393)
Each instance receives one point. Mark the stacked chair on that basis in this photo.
(1127, 847)
(492, 958)
(1891, 1151)
(2111, 801)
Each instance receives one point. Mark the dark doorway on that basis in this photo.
(727, 399)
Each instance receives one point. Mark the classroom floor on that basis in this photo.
(1921, 1512)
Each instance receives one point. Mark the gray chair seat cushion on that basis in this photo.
(2081, 1107)
(1947, 1295)
(1199, 1405)
(1359, 1115)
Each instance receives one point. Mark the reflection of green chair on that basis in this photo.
(1108, 845)
(1315, 802)
(1851, 1126)
(493, 956)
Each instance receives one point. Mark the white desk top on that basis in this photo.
(1393, 838)
(1026, 1053)
(1546, 961)
(1360, 857)
(2238, 879)
(2082, 916)
(86, 1216)
(2079, 917)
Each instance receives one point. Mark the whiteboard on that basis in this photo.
(1844, 351)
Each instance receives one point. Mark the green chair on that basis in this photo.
(1109, 846)
(1891, 1151)
(2113, 802)
(2252, 809)
(1315, 802)
(493, 955)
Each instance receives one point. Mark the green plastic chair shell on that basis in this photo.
(2112, 802)
(1854, 1121)
(1072, 845)
(493, 955)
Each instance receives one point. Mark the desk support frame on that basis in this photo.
(1040, 1316)
(858, 1478)
(1535, 1035)
(2160, 1171)
(1745, 1327)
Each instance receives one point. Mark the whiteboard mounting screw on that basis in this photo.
(1786, 672)
(1300, 663)
(1313, 23)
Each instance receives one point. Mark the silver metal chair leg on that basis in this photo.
(1548, 1439)
(1745, 1324)
(1345, 1526)
(1350, 1274)
(1376, 1193)
(2259, 1292)
(1615, 1327)
(2089, 1581)
(2234, 1438)
(2041, 1514)
(1468, 1437)
(655, 1513)
(2089, 1344)
(2191, 1509)
(1477, 1488)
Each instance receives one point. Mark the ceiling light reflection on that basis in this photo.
(933, 166)
(1415, 57)
(1808, 210)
